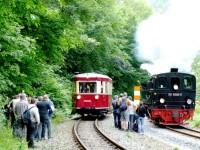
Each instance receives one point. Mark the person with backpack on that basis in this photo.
(141, 111)
(50, 115)
(33, 122)
(115, 110)
(124, 112)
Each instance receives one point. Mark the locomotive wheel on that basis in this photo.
(83, 116)
(157, 122)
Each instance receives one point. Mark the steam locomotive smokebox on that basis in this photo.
(174, 69)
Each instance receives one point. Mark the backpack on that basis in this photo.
(141, 110)
(123, 106)
(26, 116)
(114, 104)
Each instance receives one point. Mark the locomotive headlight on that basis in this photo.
(189, 101)
(96, 96)
(78, 97)
(162, 100)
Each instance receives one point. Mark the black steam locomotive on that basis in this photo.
(170, 97)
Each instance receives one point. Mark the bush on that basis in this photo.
(59, 115)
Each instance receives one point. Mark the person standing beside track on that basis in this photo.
(141, 111)
(44, 108)
(19, 129)
(115, 110)
(124, 112)
(11, 106)
(33, 124)
(131, 113)
(50, 115)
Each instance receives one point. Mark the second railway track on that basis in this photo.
(186, 131)
(89, 137)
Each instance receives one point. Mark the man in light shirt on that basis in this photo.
(35, 121)
(19, 129)
(11, 106)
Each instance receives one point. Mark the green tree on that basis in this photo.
(196, 70)
(43, 43)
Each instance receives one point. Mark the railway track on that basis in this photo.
(89, 136)
(186, 131)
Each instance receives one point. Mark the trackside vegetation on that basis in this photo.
(44, 43)
(196, 70)
(195, 120)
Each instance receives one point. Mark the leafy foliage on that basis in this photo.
(43, 43)
(196, 70)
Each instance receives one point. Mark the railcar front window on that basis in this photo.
(187, 83)
(87, 87)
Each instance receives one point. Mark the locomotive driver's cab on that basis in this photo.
(169, 90)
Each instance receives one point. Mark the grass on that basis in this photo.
(8, 142)
(130, 135)
(60, 116)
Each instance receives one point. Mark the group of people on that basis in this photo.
(128, 115)
(40, 112)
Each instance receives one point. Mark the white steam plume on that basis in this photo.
(170, 39)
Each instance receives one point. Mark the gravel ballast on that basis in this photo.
(178, 140)
(132, 140)
(154, 138)
(62, 138)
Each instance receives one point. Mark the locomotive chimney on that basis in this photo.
(174, 69)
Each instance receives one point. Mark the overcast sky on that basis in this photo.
(171, 38)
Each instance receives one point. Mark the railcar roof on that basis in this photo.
(91, 75)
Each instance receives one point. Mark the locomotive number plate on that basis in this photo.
(175, 94)
(87, 101)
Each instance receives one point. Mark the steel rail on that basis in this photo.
(106, 137)
(184, 130)
(76, 136)
(190, 129)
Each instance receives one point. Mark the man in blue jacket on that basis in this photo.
(44, 109)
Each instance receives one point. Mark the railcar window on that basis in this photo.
(162, 83)
(87, 87)
(175, 83)
(187, 83)
(101, 87)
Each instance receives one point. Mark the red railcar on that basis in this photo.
(92, 93)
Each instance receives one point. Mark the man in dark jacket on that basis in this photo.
(44, 108)
(115, 110)
(141, 111)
